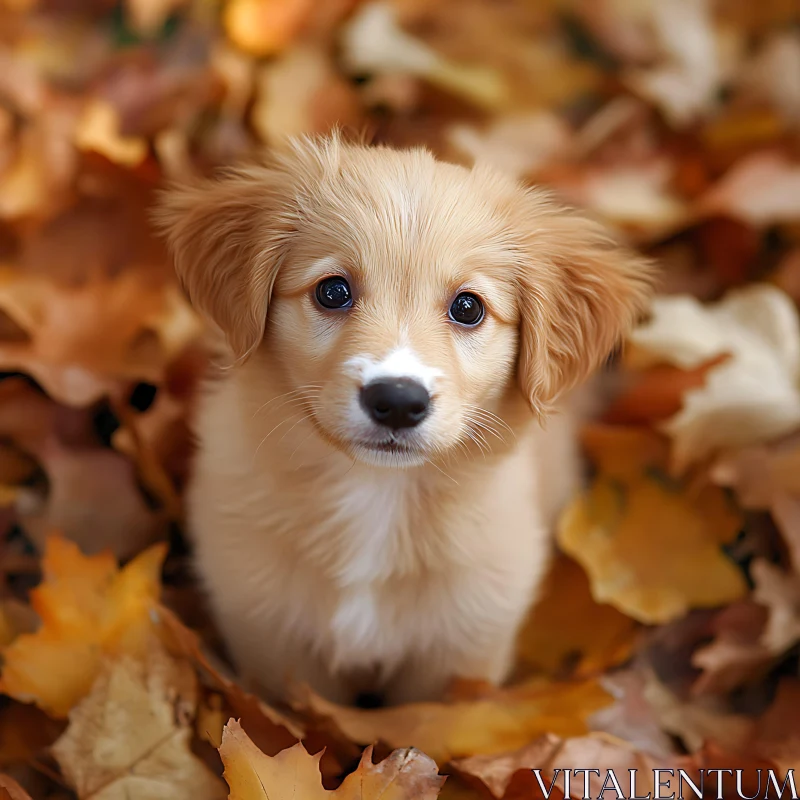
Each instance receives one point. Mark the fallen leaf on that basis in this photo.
(271, 730)
(373, 42)
(749, 398)
(777, 733)
(698, 720)
(89, 609)
(656, 394)
(265, 27)
(11, 790)
(516, 144)
(147, 16)
(292, 773)
(568, 632)
(684, 84)
(504, 721)
(774, 73)
(762, 189)
(677, 564)
(736, 655)
(511, 774)
(779, 593)
(83, 341)
(130, 737)
(301, 93)
(766, 478)
(98, 130)
(90, 493)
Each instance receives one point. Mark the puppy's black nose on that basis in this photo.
(396, 402)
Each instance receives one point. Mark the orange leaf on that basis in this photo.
(89, 608)
(569, 630)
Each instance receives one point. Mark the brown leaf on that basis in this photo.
(271, 730)
(657, 393)
(736, 655)
(130, 738)
(11, 790)
(91, 494)
(83, 341)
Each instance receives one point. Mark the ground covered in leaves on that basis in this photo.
(668, 635)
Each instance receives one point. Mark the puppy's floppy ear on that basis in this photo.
(580, 293)
(227, 238)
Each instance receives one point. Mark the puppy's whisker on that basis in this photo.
(282, 422)
(310, 387)
(303, 418)
(439, 469)
(481, 413)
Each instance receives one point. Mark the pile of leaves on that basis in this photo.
(668, 634)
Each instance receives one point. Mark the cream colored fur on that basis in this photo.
(329, 562)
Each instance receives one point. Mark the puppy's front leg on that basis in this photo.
(427, 677)
(267, 663)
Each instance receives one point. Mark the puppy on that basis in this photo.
(373, 495)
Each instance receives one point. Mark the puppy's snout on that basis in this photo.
(396, 402)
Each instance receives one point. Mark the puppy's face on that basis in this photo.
(403, 299)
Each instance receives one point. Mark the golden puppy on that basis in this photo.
(373, 494)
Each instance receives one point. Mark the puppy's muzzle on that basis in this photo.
(396, 403)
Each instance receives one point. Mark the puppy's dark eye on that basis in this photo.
(466, 309)
(334, 293)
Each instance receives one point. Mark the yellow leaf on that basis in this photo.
(650, 547)
(89, 609)
(504, 721)
(293, 773)
(568, 630)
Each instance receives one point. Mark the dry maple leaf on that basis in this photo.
(650, 548)
(89, 609)
(293, 773)
(130, 738)
(504, 720)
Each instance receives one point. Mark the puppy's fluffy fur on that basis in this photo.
(335, 553)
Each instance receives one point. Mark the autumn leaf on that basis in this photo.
(650, 547)
(130, 737)
(11, 790)
(746, 399)
(80, 342)
(265, 27)
(568, 630)
(502, 721)
(89, 609)
(293, 773)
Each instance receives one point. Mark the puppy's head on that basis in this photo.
(414, 296)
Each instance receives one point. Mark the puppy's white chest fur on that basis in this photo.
(320, 569)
